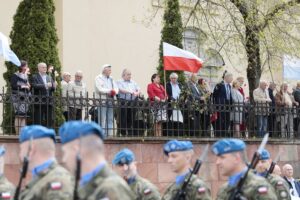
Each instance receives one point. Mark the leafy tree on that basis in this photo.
(171, 33)
(34, 39)
(261, 31)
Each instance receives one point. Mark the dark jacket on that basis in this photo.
(297, 184)
(169, 91)
(219, 94)
(39, 87)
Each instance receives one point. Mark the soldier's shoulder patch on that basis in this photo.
(6, 195)
(147, 191)
(201, 190)
(55, 185)
(262, 190)
(283, 194)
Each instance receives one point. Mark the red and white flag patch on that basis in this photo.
(56, 185)
(5, 195)
(147, 191)
(201, 190)
(262, 190)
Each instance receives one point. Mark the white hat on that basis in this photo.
(105, 66)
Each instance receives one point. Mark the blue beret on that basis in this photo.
(175, 145)
(227, 146)
(265, 155)
(125, 156)
(2, 150)
(73, 130)
(35, 132)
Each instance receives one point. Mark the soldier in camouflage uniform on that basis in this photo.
(7, 189)
(125, 164)
(97, 180)
(180, 155)
(49, 180)
(279, 184)
(231, 161)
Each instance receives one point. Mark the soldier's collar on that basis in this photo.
(43, 168)
(236, 177)
(86, 178)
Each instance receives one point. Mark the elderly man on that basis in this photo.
(128, 93)
(277, 170)
(222, 96)
(106, 89)
(6, 188)
(64, 87)
(77, 93)
(262, 100)
(284, 102)
(84, 140)
(294, 185)
(49, 179)
(232, 163)
(279, 184)
(173, 88)
(126, 167)
(180, 155)
(43, 86)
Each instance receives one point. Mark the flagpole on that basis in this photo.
(165, 82)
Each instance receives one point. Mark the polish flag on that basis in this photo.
(180, 60)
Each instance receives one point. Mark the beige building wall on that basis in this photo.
(123, 33)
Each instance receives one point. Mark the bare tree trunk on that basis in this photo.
(253, 55)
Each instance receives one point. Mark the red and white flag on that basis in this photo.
(180, 60)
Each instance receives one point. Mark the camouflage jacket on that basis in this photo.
(51, 184)
(144, 189)
(7, 189)
(196, 190)
(106, 185)
(280, 185)
(254, 188)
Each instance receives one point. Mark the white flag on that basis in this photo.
(7, 53)
(291, 68)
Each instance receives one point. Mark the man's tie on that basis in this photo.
(228, 91)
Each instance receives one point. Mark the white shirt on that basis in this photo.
(176, 90)
(129, 86)
(292, 181)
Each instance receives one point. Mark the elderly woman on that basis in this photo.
(20, 89)
(156, 92)
(237, 112)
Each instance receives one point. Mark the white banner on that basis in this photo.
(291, 67)
(7, 53)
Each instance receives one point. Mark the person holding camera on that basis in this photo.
(106, 90)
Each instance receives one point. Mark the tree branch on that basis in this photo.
(241, 6)
(276, 9)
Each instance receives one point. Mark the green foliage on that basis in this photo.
(34, 39)
(171, 33)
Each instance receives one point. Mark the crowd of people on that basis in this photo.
(193, 106)
(86, 173)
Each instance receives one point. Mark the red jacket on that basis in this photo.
(156, 91)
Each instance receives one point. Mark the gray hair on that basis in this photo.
(41, 64)
(124, 72)
(173, 75)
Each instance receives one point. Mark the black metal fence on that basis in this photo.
(137, 117)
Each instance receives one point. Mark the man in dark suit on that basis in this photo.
(175, 124)
(195, 98)
(294, 185)
(222, 96)
(43, 87)
(272, 116)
